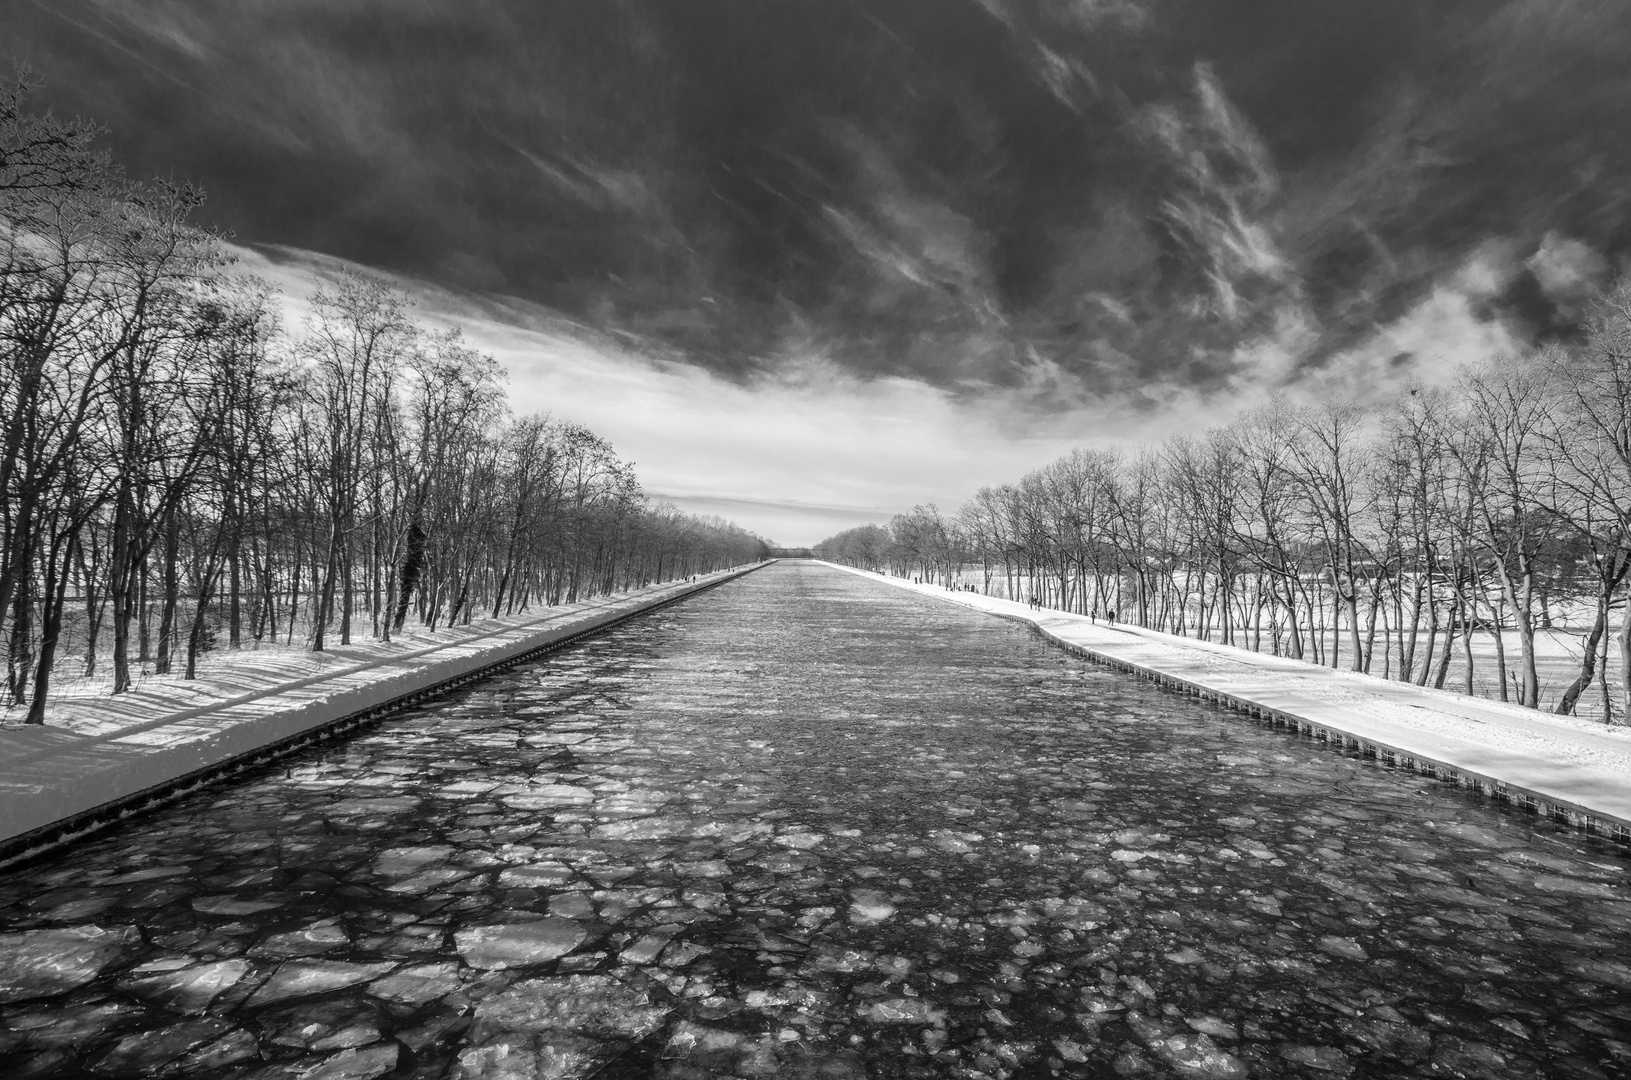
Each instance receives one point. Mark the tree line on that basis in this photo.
(1383, 538)
(179, 472)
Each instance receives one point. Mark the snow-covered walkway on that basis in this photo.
(1567, 766)
(94, 752)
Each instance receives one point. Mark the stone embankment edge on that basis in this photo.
(1589, 819)
(279, 734)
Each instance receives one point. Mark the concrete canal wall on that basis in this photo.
(57, 784)
(1568, 769)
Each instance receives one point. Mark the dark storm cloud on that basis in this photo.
(1125, 192)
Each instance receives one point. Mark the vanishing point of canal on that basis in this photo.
(807, 825)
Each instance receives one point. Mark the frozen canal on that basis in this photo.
(806, 825)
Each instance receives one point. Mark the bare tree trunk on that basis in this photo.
(347, 588)
(1500, 651)
(120, 573)
(1370, 637)
(1432, 637)
(144, 613)
(1387, 645)
(19, 649)
(234, 597)
(1602, 682)
(1466, 653)
(54, 596)
(195, 635)
(413, 564)
(1294, 630)
(1625, 665)
(172, 591)
(1407, 657)
(1449, 647)
(93, 608)
(325, 597)
(294, 592)
(1588, 662)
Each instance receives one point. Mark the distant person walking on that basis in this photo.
(1110, 616)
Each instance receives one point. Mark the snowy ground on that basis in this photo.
(1572, 762)
(95, 748)
(86, 705)
(1558, 652)
(1557, 662)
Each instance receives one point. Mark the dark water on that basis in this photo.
(808, 825)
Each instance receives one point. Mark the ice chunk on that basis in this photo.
(231, 905)
(298, 978)
(441, 1024)
(645, 950)
(147, 1050)
(545, 796)
(406, 861)
(324, 1025)
(364, 1064)
(49, 1025)
(682, 953)
(39, 963)
(1327, 1058)
(1345, 947)
(75, 910)
(428, 880)
(1567, 886)
(1268, 905)
(152, 873)
(417, 985)
(519, 944)
(310, 940)
(1211, 1025)
(556, 1028)
(904, 1011)
(647, 828)
(708, 868)
(461, 788)
(189, 989)
(571, 905)
(210, 1059)
(162, 963)
(691, 1039)
(1198, 1055)
(538, 874)
(1605, 970)
(868, 906)
(946, 840)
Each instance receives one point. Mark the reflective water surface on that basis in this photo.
(808, 825)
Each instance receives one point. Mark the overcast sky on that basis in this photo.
(810, 261)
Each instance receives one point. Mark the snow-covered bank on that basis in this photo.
(110, 755)
(1562, 765)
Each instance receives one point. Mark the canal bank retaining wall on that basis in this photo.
(57, 785)
(1565, 769)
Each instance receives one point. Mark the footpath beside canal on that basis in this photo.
(1560, 766)
(101, 759)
